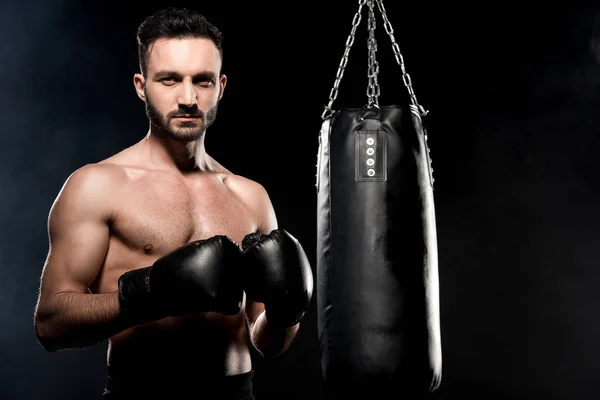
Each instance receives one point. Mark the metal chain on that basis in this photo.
(398, 55)
(373, 88)
(340, 73)
(408, 83)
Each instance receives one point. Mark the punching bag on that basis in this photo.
(377, 285)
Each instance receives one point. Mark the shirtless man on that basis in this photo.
(160, 249)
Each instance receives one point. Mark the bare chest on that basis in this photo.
(157, 215)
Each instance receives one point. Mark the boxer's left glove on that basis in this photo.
(277, 273)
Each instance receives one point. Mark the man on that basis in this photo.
(163, 251)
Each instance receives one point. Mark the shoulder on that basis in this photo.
(255, 197)
(246, 188)
(94, 178)
(252, 193)
(90, 187)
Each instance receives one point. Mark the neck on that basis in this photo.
(185, 156)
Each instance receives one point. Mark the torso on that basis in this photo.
(156, 211)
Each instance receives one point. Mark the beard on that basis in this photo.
(181, 131)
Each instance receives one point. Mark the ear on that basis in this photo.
(140, 84)
(222, 83)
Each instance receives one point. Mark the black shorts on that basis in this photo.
(201, 386)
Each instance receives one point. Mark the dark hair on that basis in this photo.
(174, 23)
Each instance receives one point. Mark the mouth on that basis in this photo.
(187, 118)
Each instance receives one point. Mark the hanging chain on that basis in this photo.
(373, 88)
(340, 73)
(398, 55)
(408, 83)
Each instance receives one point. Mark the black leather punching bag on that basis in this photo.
(377, 286)
(377, 276)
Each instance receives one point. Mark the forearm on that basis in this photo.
(74, 320)
(271, 340)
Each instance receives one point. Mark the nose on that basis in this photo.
(187, 96)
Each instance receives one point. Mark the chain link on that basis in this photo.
(373, 71)
(373, 89)
(407, 82)
(340, 72)
(399, 58)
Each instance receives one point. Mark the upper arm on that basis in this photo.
(267, 219)
(266, 223)
(78, 231)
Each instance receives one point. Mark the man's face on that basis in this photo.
(183, 86)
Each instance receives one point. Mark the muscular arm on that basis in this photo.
(269, 341)
(66, 314)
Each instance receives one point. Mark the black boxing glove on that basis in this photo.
(277, 273)
(200, 276)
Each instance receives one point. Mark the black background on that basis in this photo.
(513, 125)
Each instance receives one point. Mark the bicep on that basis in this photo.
(78, 234)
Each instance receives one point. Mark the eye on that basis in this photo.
(205, 82)
(168, 81)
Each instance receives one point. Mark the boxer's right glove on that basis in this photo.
(200, 276)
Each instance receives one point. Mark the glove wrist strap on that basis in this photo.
(135, 300)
